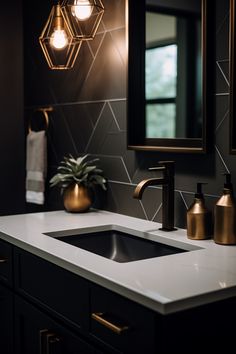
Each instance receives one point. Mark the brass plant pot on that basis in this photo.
(77, 198)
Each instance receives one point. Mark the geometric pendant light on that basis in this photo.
(58, 41)
(84, 17)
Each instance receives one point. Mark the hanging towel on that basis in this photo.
(36, 166)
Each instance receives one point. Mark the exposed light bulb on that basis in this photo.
(59, 39)
(82, 9)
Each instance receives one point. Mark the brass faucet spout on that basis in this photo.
(138, 192)
(168, 190)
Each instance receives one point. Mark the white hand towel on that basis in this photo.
(36, 166)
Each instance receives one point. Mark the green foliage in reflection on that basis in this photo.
(161, 72)
(161, 77)
(160, 121)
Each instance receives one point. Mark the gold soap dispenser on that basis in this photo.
(199, 218)
(225, 215)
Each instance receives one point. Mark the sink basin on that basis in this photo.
(118, 246)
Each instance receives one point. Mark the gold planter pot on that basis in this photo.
(77, 198)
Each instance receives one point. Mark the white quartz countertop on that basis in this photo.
(165, 284)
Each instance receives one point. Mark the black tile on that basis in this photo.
(81, 119)
(119, 109)
(124, 201)
(107, 77)
(114, 168)
(114, 15)
(222, 85)
(222, 109)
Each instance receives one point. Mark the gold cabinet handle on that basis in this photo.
(102, 318)
(3, 260)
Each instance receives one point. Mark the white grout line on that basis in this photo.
(181, 194)
(218, 126)
(222, 72)
(222, 160)
(144, 211)
(118, 50)
(157, 211)
(114, 117)
(69, 132)
(126, 170)
(222, 23)
(95, 56)
(98, 120)
(90, 49)
(78, 103)
(222, 94)
(223, 61)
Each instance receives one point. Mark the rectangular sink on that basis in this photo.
(117, 245)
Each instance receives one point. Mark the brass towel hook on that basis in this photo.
(45, 111)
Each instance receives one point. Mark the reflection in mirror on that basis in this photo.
(173, 50)
(232, 78)
(167, 75)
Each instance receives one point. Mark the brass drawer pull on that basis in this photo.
(105, 320)
(2, 260)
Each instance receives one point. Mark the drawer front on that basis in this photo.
(121, 323)
(53, 287)
(39, 333)
(5, 262)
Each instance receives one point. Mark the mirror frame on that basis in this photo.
(136, 86)
(232, 78)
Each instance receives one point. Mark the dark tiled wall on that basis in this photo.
(90, 116)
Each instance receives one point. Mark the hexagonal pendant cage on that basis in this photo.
(84, 17)
(57, 41)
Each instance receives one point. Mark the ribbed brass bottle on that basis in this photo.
(225, 216)
(199, 218)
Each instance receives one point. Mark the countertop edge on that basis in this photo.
(169, 307)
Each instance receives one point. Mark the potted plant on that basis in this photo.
(77, 178)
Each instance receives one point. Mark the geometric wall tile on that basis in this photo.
(90, 116)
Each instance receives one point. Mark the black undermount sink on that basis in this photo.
(118, 246)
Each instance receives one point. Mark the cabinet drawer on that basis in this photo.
(121, 323)
(5, 262)
(53, 287)
(39, 333)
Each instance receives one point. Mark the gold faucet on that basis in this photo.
(167, 182)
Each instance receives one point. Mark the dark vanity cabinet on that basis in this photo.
(46, 309)
(6, 299)
(38, 332)
(62, 311)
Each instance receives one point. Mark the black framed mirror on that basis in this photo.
(232, 79)
(168, 75)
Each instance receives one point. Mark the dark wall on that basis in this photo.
(12, 151)
(90, 115)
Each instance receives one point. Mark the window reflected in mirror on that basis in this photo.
(173, 74)
(170, 75)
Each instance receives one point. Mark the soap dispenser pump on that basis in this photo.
(199, 218)
(225, 215)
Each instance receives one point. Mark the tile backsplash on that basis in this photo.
(90, 116)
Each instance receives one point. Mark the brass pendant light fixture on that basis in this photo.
(70, 22)
(59, 45)
(84, 17)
